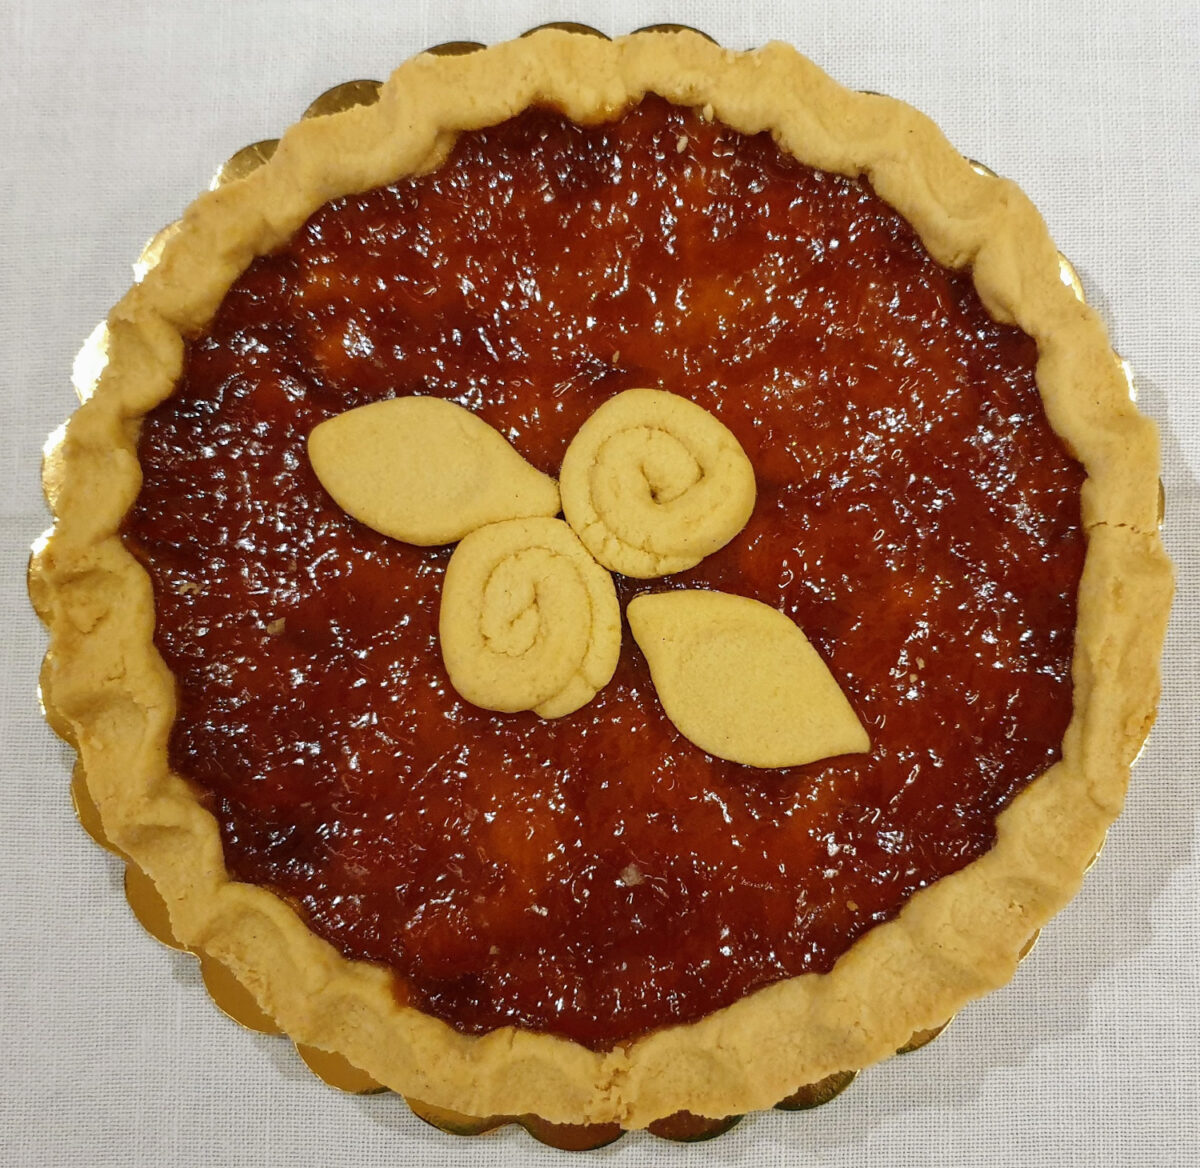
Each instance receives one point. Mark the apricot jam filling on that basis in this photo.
(598, 876)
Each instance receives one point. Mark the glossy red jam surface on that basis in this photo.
(599, 876)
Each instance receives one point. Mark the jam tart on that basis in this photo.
(599, 914)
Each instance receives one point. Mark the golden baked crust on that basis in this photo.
(107, 690)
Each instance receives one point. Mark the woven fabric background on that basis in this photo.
(114, 114)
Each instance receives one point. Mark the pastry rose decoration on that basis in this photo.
(529, 620)
(650, 485)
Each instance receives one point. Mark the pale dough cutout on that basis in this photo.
(425, 471)
(741, 681)
(529, 621)
(653, 483)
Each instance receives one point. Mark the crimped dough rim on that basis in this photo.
(108, 691)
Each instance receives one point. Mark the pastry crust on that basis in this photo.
(107, 690)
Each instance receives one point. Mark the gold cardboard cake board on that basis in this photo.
(232, 998)
(818, 1093)
(87, 812)
(343, 97)
(685, 1128)
(149, 907)
(456, 48)
(676, 28)
(337, 1071)
(246, 161)
(923, 1038)
(568, 26)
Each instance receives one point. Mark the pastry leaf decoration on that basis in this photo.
(425, 471)
(529, 620)
(741, 681)
(653, 483)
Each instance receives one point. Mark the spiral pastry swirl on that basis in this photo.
(529, 621)
(653, 483)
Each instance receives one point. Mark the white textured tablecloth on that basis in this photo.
(115, 114)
